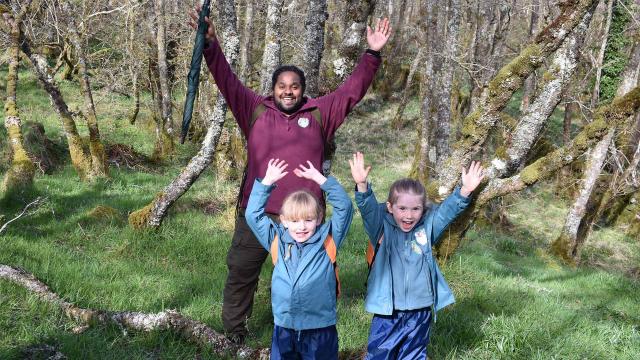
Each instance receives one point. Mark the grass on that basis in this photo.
(514, 301)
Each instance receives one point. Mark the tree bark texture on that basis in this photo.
(354, 22)
(606, 117)
(314, 44)
(247, 40)
(478, 124)
(189, 329)
(530, 84)
(567, 245)
(153, 214)
(557, 80)
(272, 36)
(397, 121)
(444, 84)
(80, 160)
(20, 174)
(99, 165)
(595, 95)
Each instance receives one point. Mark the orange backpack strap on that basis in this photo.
(371, 252)
(332, 252)
(274, 250)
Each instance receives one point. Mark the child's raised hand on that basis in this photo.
(472, 178)
(275, 171)
(310, 173)
(359, 172)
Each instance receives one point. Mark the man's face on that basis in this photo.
(287, 93)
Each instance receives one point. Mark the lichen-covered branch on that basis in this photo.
(152, 214)
(606, 117)
(555, 82)
(510, 78)
(191, 330)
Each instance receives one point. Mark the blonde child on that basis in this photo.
(303, 285)
(405, 287)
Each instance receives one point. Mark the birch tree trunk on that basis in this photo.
(478, 124)
(354, 22)
(272, 36)
(530, 84)
(509, 159)
(79, 159)
(19, 176)
(164, 124)
(99, 165)
(247, 39)
(444, 83)
(153, 214)
(606, 117)
(397, 121)
(595, 95)
(314, 44)
(578, 223)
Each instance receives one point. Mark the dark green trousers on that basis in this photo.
(244, 262)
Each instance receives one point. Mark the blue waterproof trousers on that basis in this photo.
(402, 335)
(309, 344)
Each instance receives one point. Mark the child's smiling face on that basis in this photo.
(301, 229)
(407, 210)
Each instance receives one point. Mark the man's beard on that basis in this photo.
(290, 111)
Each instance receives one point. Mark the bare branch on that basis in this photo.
(35, 203)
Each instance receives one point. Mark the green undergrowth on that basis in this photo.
(514, 301)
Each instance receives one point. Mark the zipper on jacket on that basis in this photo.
(407, 253)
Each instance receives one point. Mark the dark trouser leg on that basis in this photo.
(312, 344)
(402, 335)
(244, 262)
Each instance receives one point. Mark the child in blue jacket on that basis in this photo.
(303, 285)
(405, 286)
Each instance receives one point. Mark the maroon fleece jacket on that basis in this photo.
(294, 138)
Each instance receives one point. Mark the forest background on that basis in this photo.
(113, 235)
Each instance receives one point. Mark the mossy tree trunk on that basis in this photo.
(510, 78)
(99, 165)
(606, 117)
(353, 21)
(530, 84)
(511, 156)
(272, 36)
(19, 176)
(80, 160)
(164, 130)
(247, 40)
(397, 121)
(314, 44)
(153, 214)
(589, 204)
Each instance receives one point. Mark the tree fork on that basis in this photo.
(606, 117)
(500, 89)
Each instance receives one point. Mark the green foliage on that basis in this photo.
(514, 301)
(615, 54)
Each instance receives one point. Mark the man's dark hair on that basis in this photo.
(285, 68)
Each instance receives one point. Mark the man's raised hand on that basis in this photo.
(378, 38)
(193, 22)
(275, 171)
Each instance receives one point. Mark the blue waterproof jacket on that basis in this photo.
(378, 221)
(305, 299)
